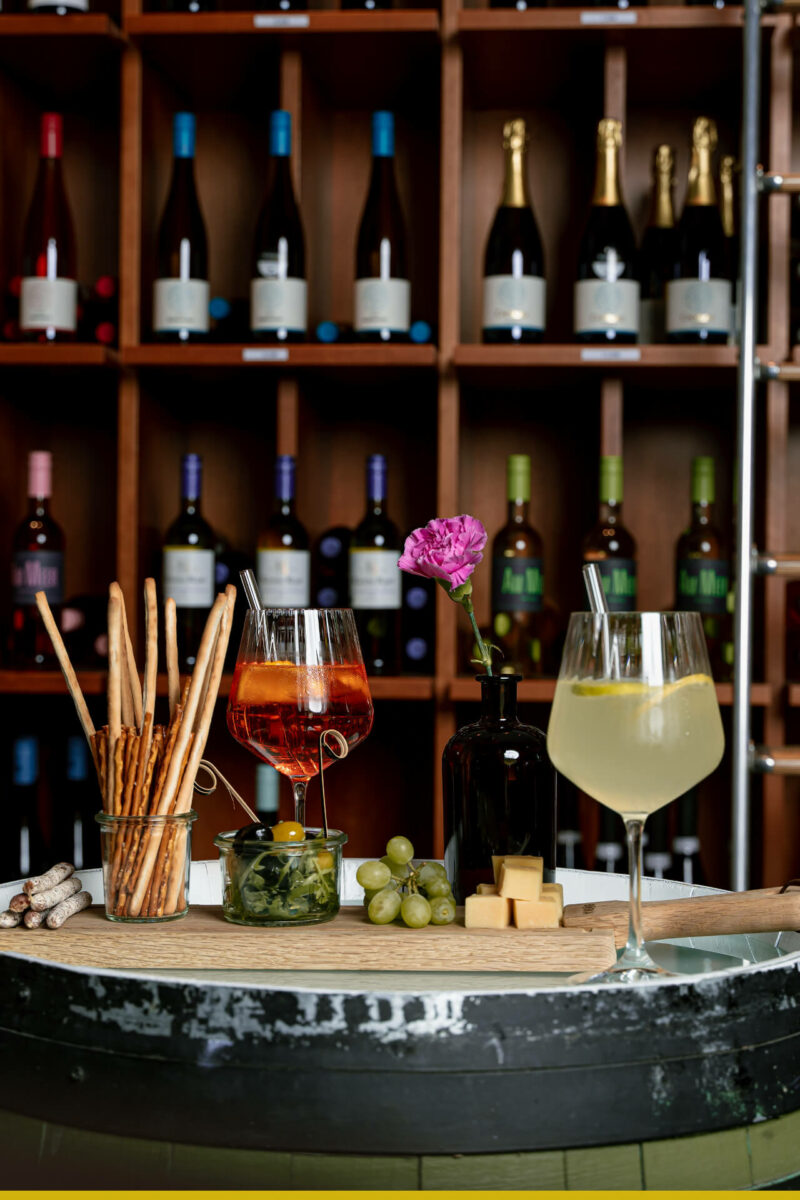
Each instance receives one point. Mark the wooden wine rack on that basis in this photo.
(446, 415)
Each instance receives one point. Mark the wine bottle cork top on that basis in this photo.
(664, 160)
(609, 132)
(704, 134)
(515, 134)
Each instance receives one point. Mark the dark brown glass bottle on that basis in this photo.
(657, 254)
(37, 564)
(518, 578)
(609, 543)
(702, 569)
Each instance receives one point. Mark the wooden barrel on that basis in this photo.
(404, 1080)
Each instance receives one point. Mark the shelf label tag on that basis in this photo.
(265, 354)
(611, 354)
(280, 21)
(610, 17)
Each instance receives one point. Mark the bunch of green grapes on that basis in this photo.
(394, 887)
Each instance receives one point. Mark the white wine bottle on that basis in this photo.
(278, 286)
(383, 289)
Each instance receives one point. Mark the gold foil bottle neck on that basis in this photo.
(661, 213)
(727, 169)
(515, 187)
(515, 134)
(701, 182)
(704, 134)
(606, 182)
(609, 134)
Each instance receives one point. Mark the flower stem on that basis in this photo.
(483, 651)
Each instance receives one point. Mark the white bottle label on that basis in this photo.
(694, 305)
(189, 576)
(601, 306)
(284, 578)
(70, 5)
(48, 304)
(383, 304)
(509, 300)
(375, 580)
(278, 304)
(180, 304)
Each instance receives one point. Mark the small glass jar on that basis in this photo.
(146, 865)
(281, 883)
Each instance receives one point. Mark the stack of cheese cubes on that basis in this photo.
(518, 896)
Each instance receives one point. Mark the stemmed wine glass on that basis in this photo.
(635, 723)
(299, 672)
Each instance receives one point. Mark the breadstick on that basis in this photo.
(9, 919)
(66, 666)
(114, 695)
(173, 670)
(67, 908)
(151, 646)
(134, 683)
(19, 902)
(42, 900)
(43, 883)
(35, 920)
(126, 698)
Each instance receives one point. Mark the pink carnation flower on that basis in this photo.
(448, 548)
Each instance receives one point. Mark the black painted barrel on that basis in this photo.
(404, 1079)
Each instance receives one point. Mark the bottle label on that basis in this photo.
(48, 304)
(686, 846)
(278, 304)
(284, 578)
(696, 305)
(601, 306)
(189, 576)
(517, 584)
(180, 304)
(652, 321)
(383, 304)
(35, 571)
(619, 583)
(510, 301)
(375, 579)
(25, 761)
(70, 5)
(702, 585)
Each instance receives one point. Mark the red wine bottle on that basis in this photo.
(278, 284)
(383, 290)
(188, 566)
(181, 289)
(49, 288)
(37, 565)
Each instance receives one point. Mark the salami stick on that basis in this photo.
(9, 919)
(19, 902)
(43, 883)
(67, 908)
(35, 920)
(42, 900)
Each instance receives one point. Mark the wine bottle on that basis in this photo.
(60, 8)
(188, 563)
(331, 563)
(49, 288)
(417, 624)
(657, 255)
(610, 853)
(181, 289)
(686, 862)
(609, 544)
(283, 562)
(727, 212)
(375, 582)
(569, 840)
(278, 286)
(513, 269)
(607, 290)
(267, 793)
(699, 294)
(74, 836)
(23, 849)
(657, 857)
(37, 565)
(517, 577)
(702, 570)
(383, 290)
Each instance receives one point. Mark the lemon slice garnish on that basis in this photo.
(636, 687)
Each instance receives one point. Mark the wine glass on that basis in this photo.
(299, 672)
(635, 723)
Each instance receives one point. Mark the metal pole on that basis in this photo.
(751, 85)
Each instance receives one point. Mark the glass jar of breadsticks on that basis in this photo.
(147, 770)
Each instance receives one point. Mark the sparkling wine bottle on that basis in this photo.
(37, 564)
(513, 270)
(188, 563)
(699, 308)
(375, 582)
(518, 577)
(657, 254)
(181, 289)
(278, 286)
(609, 544)
(49, 288)
(607, 290)
(283, 561)
(382, 290)
(727, 212)
(702, 569)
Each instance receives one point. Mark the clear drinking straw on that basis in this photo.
(599, 607)
(251, 590)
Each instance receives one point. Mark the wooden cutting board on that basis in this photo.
(204, 939)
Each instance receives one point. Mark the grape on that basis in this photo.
(426, 873)
(401, 870)
(373, 875)
(384, 907)
(443, 910)
(437, 887)
(399, 850)
(415, 911)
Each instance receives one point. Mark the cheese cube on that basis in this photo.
(523, 859)
(497, 862)
(486, 889)
(537, 914)
(555, 889)
(487, 912)
(521, 881)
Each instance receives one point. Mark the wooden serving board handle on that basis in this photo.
(763, 911)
